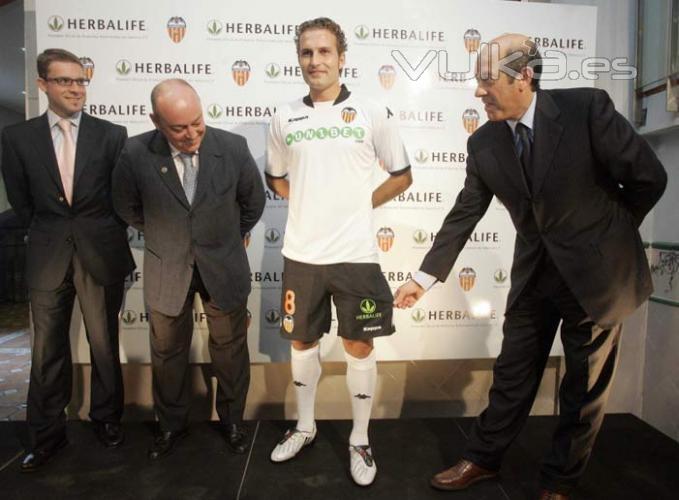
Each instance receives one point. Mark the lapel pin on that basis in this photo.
(163, 170)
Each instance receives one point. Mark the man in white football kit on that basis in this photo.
(322, 153)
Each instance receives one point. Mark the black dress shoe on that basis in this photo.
(237, 438)
(35, 459)
(110, 434)
(164, 442)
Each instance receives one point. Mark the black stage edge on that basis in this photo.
(631, 460)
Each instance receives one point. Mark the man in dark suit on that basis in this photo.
(57, 170)
(577, 182)
(195, 191)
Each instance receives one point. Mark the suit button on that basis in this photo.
(62, 199)
(69, 239)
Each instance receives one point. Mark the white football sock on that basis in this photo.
(306, 371)
(361, 381)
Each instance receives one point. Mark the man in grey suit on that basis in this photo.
(194, 191)
(577, 182)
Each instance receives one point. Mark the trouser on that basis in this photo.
(590, 355)
(49, 390)
(170, 347)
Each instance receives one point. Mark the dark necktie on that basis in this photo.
(524, 150)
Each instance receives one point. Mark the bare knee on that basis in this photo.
(299, 345)
(358, 348)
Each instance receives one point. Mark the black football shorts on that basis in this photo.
(360, 292)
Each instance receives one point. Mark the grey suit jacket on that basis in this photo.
(594, 181)
(228, 202)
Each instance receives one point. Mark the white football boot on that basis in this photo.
(292, 443)
(362, 465)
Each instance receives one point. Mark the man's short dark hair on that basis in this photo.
(531, 58)
(325, 24)
(48, 56)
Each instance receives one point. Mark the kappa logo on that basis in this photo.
(176, 29)
(214, 27)
(348, 114)
(128, 317)
(240, 70)
(123, 67)
(387, 76)
(55, 23)
(472, 40)
(467, 278)
(500, 276)
(272, 70)
(385, 238)
(418, 315)
(273, 317)
(214, 111)
(470, 120)
(368, 306)
(361, 32)
(421, 156)
(420, 236)
(272, 235)
(88, 66)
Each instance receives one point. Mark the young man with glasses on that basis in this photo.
(57, 171)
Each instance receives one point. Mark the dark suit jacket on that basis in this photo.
(228, 202)
(594, 181)
(57, 230)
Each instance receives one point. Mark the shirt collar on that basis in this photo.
(175, 152)
(54, 118)
(528, 117)
(343, 96)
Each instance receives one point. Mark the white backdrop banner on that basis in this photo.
(415, 57)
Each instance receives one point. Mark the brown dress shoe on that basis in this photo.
(461, 475)
(552, 495)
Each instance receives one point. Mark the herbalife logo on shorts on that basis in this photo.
(322, 133)
(368, 309)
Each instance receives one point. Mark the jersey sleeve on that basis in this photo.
(275, 150)
(389, 146)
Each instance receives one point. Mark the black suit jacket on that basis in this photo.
(594, 181)
(228, 202)
(56, 230)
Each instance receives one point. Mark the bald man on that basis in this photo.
(577, 182)
(194, 191)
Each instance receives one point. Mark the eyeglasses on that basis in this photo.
(67, 82)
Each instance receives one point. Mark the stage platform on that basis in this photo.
(631, 460)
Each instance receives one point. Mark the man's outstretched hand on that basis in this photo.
(408, 294)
